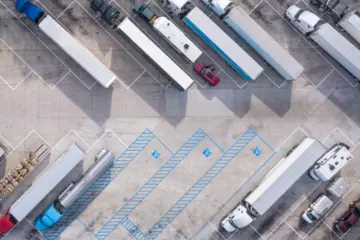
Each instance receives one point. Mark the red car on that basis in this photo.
(349, 218)
(207, 73)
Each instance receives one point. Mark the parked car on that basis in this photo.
(317, 209)
(207, 73)
(349, 218)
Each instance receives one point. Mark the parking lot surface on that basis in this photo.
(184, 160)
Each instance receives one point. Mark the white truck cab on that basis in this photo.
(220, 7)
(238, 218)
(177, 7)
(331, 162)
(317, 209)
(303, 20)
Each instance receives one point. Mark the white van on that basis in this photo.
(317, 209)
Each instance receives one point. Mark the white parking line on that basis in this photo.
(255, 7)
(293, 230)
(323, 78)
(68, 6)
(262, 237)
(307, 41)
(216, 230)
(134, 80)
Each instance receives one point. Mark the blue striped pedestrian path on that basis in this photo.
(150, 185)
(200, 185)
(98, 186)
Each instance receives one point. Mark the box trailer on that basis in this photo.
(279, 179)
(78, 52)
(222, 44)
(41, 188)
(142, 42)
(265, 45)
(350, 23)
(330, 40)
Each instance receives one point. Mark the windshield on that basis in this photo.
(209, 75)
(312, 218)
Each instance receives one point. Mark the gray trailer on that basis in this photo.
(330, 40)
(350, 23)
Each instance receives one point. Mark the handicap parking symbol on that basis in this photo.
(207, 152)
(155, 154)
(257, 151)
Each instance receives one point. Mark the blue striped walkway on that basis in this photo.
(121, 216)
(200, 185)
(98, 186)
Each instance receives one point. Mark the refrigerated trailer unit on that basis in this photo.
(257, 38)
(222, 44)
(279, 179)
(78, 52)
(41, 188)
(142, 42)
(330, 40)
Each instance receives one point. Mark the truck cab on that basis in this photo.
(220, 7)
(238, 218)
(317, 209)
(305, 21)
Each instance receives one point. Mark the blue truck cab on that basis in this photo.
(33, 12)
(51, 216)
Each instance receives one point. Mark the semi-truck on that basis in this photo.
(222, 44)
(249, 30)
(41, 188)
(276, 182)
(78, 52)
(72, 192)
(170, 33)
(338, 11)
(330, 40)
(128, 29)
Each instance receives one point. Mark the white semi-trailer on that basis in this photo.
(257, 38)
(327, 38)
(78, 52)
(279, 179)
(41, 188)
(350, 23)
(222, 44)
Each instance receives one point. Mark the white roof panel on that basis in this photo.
(148, 47)
(77, 51)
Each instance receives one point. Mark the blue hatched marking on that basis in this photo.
(98, 186)
(121, 216)
(199, 186)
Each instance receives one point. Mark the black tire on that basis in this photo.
(291, 150)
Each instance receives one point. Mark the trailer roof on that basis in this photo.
(264, 44)
(78, 52)
(148, 47)
(47, 182)
(227, 48)
(286, 172)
